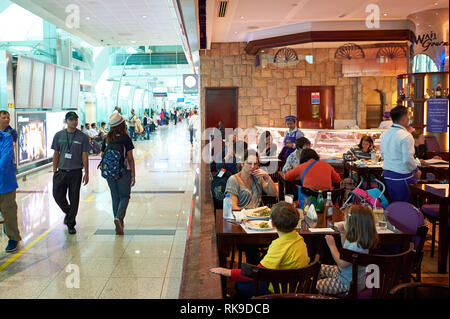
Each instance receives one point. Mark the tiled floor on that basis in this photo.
(54, 264)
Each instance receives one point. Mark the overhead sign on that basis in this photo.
(190, 83)
(437, 115)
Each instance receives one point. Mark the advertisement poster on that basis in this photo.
(32, 142)
(55, 122)
(315, 97)
(437, 115)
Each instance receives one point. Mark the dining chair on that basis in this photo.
(392, 270)
(302, 280)
(432, 143)
(415, 290)
(431, 212)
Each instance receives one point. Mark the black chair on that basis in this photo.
(418, 255)
(393, 270)
(416, 290)
(302, 280)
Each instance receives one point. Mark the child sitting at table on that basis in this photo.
(360, 235)
(287, 252)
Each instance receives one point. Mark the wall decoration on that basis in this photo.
(349, 51)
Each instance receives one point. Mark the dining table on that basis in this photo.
(436, 193)
(230, 234)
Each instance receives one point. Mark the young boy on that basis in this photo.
(288, 251)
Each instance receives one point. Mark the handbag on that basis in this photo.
(302, 196)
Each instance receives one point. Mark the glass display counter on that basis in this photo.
(329, 144)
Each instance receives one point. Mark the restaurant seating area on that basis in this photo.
(404, 254)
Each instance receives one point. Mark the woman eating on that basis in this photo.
(362, 150)
(246, 187)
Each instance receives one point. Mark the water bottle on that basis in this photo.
(373, 156)
(227, 207)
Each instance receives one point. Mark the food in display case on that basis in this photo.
(329, 144)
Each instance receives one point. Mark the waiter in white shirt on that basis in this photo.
(397, 149)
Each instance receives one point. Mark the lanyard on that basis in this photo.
(70, 143)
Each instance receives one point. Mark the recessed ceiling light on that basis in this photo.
(145, 17)
(385, 14)
(435, 3)
(242, 17)
(418, 24)
(88, 18)
(235, 32)
(132, 41)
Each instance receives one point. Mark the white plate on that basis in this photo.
(248, 215)
(254, 225)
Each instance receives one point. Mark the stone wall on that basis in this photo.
(267, 95)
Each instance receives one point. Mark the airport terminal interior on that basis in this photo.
(220, 109)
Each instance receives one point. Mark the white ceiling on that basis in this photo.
(114, 22)
(244, 18)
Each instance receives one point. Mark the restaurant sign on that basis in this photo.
(429, 39)
(437, 115)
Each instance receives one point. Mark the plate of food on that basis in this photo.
(259, 225)
(258, 213)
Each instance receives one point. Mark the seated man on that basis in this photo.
(289, 251)
(95, 134)
(228, 158)
(103, 130)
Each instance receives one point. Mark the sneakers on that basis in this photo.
(12, 246)
(119, 226)
(72, 231)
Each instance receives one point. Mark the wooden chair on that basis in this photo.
(418, 254)
(301, 280)
(415, 290)
(296, 296)
(393, 269)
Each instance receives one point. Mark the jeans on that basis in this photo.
(147, 130)
(120, 194)
(8, 207)
(132, 132)
(244, 289)
(191, 134)
(64, 181)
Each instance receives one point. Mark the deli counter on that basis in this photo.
(329, 144)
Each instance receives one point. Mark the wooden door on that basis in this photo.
(221, 104)
(315, 107)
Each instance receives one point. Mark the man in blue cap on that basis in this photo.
(387, 122)
(290, 136)
(71, 148)
(8, 186)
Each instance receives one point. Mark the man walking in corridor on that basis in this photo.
(71, 148)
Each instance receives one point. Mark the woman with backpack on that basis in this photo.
(118, 168)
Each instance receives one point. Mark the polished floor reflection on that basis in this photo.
(145, 263)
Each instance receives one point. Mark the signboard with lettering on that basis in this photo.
(437, 115)
(315, 97)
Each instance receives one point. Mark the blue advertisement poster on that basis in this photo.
(437, 115)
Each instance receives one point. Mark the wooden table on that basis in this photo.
(440, 197)
(364, 172)
(229, 234)
(439, 170)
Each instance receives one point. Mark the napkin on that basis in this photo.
(311, 214)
